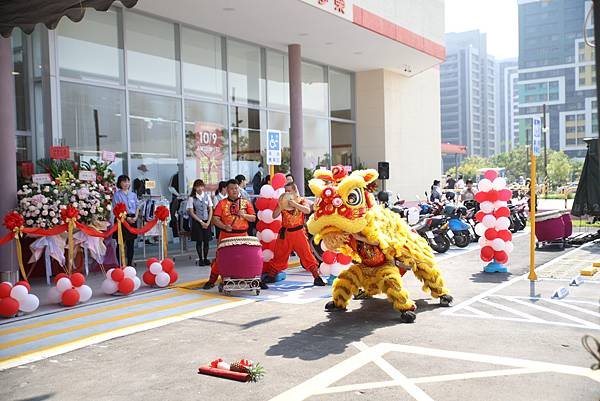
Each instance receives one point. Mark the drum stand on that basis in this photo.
(228, 285)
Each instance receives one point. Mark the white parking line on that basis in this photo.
(524, 315)
(554, 312)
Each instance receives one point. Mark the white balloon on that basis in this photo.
(109, 286)
(109, 272)
(130, 272)
(63, 284)
(508, 248)
(19, 292)
(259, 234)
(325, 269)
(480, 229)
(498, 244)
(499, 183)
(499, 204)
(486, 207)
(482, 241)
(267, 255)
(29, 303)
(162, 279)
(268, 235)
(267, 191)
(85, 293)
(484, 185)
(489, 221)
(136, 283)
(323, 246)
(337, 268)
(53, 295)
(259, 215)
(156, 268)
(7, 282)
(279, 192)
(502, 223)
(267, 216)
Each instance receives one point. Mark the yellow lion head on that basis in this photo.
(342, 200)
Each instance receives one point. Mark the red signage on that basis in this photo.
(27, 169)
(209, 153)
(59, 152)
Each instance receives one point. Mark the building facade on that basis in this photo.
(192, 89)
(467, 94)
(507, 104)
(557, 68)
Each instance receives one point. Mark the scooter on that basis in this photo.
(462, 232)
(435, 230)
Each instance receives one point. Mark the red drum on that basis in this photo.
(240, 257)
(566, 218)
(549, 226)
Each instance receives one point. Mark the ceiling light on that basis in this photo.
(358, 53)
(303, 34)
(228, 9)
(16, 73)
(328, 43)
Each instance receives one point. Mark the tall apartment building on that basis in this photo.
(507, 104)
(467, 95)
(557, 68)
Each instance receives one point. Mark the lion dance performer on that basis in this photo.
(292, 236)
(347, 219)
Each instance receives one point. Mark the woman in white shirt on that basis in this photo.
(200, 210)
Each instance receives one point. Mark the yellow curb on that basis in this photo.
(588, 271)
(596, 264)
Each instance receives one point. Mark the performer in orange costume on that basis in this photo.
(232, 216)
(292, 236)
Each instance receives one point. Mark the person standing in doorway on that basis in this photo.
(129, 198)
(241, 180)
(200, 210)
(220, 194)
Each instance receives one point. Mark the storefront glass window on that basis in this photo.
(314, 89)
(155, 125)
(248, 146)
(203, 72)
(25, 165)
(19, 46)
(93, 120)
(281, 122)
(91, 50)
(340, 89)
(206, 143)
(278, 87)
(316, 143)
(342, 138)
(246, 83)
(151, 62)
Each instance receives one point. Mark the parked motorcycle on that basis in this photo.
(435, 230)
(462, 233)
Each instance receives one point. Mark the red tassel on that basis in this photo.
(227, 374)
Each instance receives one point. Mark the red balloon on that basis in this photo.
(117, 274)
(24, 284)
(487, 253)
(59, 276)
(501, 257)
(275, 226)
(173, 276)
(491, 175)
(168, 265)
(278, 181)
(502, 212)
(150, 261)
(481, 196)
(5, 290)
(344, 259)
(262, 203)
(268, 245)
(70, 297)
(261, 225)
(149, 278)
(273, 203)
(77, 279)
(491, 234)
(8, 307)
(492, 195)
(479, 216)
(505, 235)
(505, 195)
(126, 286)
(329, 257)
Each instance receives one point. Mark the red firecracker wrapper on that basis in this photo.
(227, 374)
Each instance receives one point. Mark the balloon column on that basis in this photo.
(69, 290)
(16, 298)
(495, 238)
(160, 273)
(333, 263)
(121, 280)
(267, 227)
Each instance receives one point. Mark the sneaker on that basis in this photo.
(208, 285)
(206, 262)
(319, 282)
(263, 286)
(268, 279)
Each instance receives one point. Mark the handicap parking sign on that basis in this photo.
(274, 148)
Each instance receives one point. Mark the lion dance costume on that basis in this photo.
(380, 242)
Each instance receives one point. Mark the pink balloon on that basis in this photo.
(491, 175)
(278, 181)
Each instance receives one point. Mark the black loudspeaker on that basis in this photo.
(383, 168)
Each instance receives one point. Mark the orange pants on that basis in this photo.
(296, 241)
(214, 270)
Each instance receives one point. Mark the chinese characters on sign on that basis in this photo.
(537, 136)
(274, 148)
(208, 151)
(341, 8)
(108, 156)
(59, 152)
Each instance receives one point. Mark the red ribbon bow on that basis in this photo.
(13, 220)
(70, 212)
(214, 363)
(162, 213)
(120, 209)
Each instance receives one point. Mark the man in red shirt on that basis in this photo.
(232, 215)
(292, 236)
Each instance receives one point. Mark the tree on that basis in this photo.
(469, 167)
(559, 168)
(576, 167)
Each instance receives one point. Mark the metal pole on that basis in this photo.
(545, 147)
(596, 6)
(456, 166)
(532, 201)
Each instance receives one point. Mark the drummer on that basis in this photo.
(292, 236)
(232, 216)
